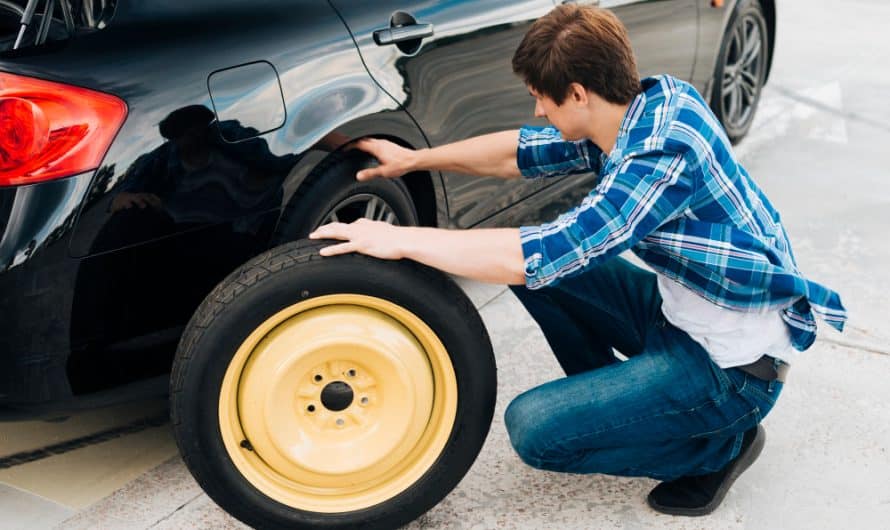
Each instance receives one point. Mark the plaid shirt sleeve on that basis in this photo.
(628, 204)
(543, 152)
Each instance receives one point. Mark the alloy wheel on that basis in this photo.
(743, 71)
(364, 205)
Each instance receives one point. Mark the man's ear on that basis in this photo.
(578, 94)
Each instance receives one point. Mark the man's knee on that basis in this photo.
(540, 442)
(522, 428)
(531, 434)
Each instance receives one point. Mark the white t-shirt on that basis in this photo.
(731, 338)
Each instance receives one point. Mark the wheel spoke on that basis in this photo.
(383, 212)
(738, 44)
(751, 54)
(730, 88)
(750, 28)
(737, 97)
(728, 81)
(749, 83)
(735, 102)
(748, 88)
(371, 208)
(361, 206)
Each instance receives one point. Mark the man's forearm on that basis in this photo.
(488, 155)
(492, 255)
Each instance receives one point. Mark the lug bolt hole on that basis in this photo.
(340, 421)
(318, 378)
(364, 401)
(311, 408)
(351, 373)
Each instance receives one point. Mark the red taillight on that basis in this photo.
(51, 130)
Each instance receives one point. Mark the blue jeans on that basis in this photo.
(666, 412)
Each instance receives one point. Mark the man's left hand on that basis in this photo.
(373, 238)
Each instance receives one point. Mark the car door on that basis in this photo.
(458, 83)
(663, 34)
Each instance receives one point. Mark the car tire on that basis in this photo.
(367, 420)
(741, 69)
(331, 188)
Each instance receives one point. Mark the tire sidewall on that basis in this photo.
(470, 354)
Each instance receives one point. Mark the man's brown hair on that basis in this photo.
(578, 44)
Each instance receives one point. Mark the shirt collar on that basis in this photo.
(632, 115)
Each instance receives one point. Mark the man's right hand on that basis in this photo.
(489, 155)
(394, 159)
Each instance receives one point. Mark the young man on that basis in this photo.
(708, 336)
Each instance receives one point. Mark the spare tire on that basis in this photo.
(335, 392)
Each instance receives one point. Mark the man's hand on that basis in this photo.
(373, 238)
(395, 160)
(487, 254)
(489, 155)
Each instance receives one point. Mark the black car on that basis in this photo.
(148, 149)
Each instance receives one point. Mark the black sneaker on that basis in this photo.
(701, 494)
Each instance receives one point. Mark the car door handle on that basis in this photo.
(398, 34)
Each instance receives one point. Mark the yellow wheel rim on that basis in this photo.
(338, 403)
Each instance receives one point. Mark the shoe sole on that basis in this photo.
(739, 466)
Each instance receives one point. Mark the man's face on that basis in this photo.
(569, 118)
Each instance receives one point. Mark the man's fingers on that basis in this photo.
(342, 248)
(368, 145)
(368, 174)
(330, 231)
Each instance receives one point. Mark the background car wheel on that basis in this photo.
(338, 392)
(741, 69)
(331, 193)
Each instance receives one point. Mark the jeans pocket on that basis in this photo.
(763, 393)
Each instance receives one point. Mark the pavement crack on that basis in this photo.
(171, 514)
(492, 299)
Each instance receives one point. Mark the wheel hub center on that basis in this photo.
(336, 396)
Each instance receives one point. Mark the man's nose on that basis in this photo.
(539, 112)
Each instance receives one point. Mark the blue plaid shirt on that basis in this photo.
(672, 191)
